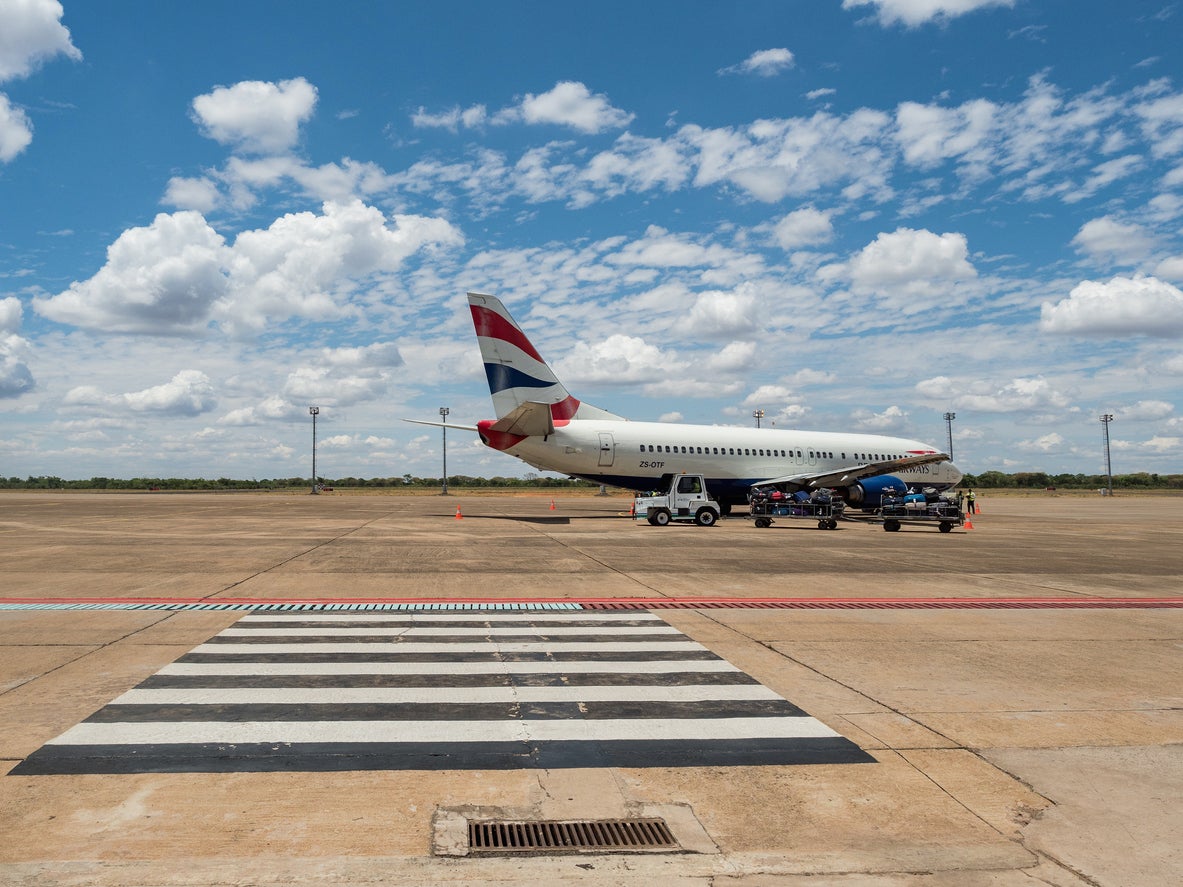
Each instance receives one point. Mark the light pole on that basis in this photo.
(444, 418)
(314, 412)
(1105, 420)
(949, 417)
(757, 415)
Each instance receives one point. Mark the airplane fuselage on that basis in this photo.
(635, 455)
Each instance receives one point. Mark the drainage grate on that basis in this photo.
(572, 836)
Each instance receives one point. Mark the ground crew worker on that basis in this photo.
(971, 500)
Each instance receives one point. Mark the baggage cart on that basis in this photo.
(825, 509)
(920, 509)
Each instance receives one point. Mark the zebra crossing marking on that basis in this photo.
(435, 690)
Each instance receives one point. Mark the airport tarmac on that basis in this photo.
(1013, 690)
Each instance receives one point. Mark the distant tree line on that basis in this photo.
(460, 481)
(991, 480)
(1025, 480)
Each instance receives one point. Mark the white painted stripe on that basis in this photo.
(444, 731)
(435, 695)
(569, 616)
(409, 647)
(660, 666)
(424, 631)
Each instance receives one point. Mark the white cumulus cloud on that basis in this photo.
(188, 393)
(1107, 238)
(619, 359)
(571, 104)
(160, 279)
(910, 269)
(31, 32)
(1123, 306)
(255, 116)
(1147, 410)
(15, 376)
(891, 420)
(803, 227)
(178, 275)
(1048, 443)
(763, 63)
(16, 131)
(913, 13)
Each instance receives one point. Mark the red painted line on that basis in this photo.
(657, 603)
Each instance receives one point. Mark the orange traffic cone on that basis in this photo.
(459, 516)
(632, 509)
(552, 504)
(969, 525)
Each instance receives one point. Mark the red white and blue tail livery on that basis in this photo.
(540, 422)
(518, 376)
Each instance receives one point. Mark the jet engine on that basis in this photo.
(868, 493)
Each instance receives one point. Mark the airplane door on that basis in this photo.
(607, 449)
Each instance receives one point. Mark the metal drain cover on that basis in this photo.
(499, 836)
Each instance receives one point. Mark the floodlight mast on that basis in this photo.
(314, 412)
(757, 415)
(1105, 420)
(949, 417)
(444, 418)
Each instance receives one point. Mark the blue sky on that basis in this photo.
(851, 214)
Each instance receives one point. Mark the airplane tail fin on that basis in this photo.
(520, 381)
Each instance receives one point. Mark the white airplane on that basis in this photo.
(539, 422)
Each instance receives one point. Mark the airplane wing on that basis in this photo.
(845, 476)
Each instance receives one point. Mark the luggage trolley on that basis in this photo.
(920, 508)
(822, 506)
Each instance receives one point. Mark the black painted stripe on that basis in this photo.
(460, 656)
(419, 622)
(540, 638)
(445, 711)
(485, 679)
(334, 757)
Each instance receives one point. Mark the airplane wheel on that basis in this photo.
(706, 517)
(946, 528)
(661, 518)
